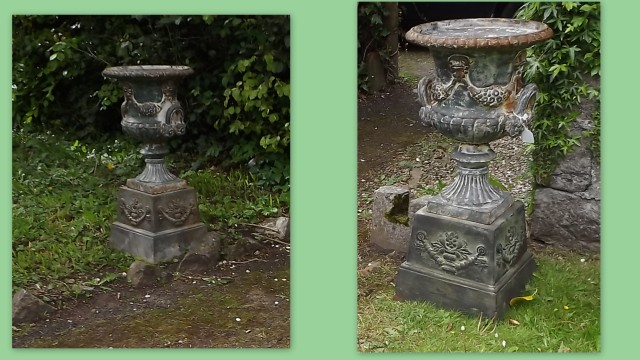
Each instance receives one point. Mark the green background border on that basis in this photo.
(323, 179)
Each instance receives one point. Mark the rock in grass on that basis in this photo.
(203, 255)
(142, 273)
(278, 226)
(28, 308)
(242, 246)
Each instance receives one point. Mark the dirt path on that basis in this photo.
(242, 304)
(389, 138)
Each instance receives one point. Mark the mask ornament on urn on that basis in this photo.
(157, 212)
(468, 243)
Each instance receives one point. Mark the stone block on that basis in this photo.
(414, 206)
(142, 274)
(566, 219)
(28, 308)
(390, 229)
(573, 172)
(203, 255)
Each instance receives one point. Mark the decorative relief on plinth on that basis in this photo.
(451, 253)
(134, 211)
(177, 212)
(507, 252)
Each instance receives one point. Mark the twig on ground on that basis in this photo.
(258, 236)
(246, 261)
(261, 227)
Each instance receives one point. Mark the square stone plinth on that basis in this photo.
(471, 267)
(156, 227)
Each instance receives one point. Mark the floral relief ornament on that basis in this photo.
(177, 212)
(508, 252)
(134, 211)
(450, 252)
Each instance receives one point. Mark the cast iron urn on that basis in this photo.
(468, 243)
(157, 211)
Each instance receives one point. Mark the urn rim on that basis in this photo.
(479, 33)
(147, 72)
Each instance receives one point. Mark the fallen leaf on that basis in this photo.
(513, 322)
(519, 299)
(449, 327)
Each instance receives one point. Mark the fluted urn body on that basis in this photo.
(467, 249)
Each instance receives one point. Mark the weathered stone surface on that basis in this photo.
(28, 308)
(390, 229)
(242, 246)
(593, 192)
(567, 219)
(203, 255)
(568, 211)
(279, 226)
(414, 206)
(142, 274)
(573, 173)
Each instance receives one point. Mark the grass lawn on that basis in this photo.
(564, 315)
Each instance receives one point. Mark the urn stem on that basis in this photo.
(472, 187)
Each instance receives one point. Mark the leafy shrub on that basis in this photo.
(237, 103)
(564, 69)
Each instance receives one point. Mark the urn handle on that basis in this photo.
(174, 121)
(430, 91)
(523, 112)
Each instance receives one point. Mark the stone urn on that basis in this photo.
(468, 243)
(157, 211)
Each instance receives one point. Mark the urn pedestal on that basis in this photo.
(157, 211)
(468, 244)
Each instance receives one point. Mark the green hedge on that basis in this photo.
(237, 103)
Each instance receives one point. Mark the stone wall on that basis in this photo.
(567, 210)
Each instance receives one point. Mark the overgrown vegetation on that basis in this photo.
(567, 72)
(563, 315)
(237, 103)
(64, 201)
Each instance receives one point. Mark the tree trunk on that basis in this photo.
(391, 22)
